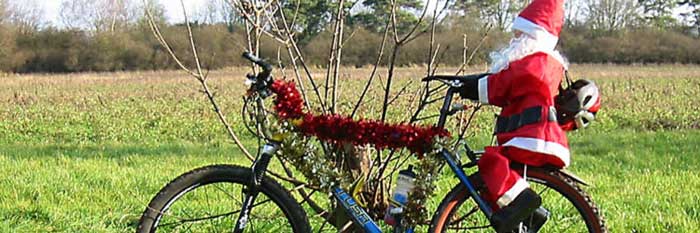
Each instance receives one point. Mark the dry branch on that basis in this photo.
(199, 75)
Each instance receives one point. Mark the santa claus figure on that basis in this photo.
(523, 80)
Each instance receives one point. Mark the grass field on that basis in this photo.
(86, 152)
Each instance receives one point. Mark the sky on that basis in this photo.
(172, 7)
(173, 10)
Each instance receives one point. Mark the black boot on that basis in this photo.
(535, 222)
(510, 216)
(478, 183)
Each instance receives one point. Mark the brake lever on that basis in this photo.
(449, 82)
(261, 82)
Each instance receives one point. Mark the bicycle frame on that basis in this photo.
(361, 218)
(358, 215)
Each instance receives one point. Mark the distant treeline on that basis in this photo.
(53, 50)
(114, 35)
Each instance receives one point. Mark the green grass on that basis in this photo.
(85, 153)
(642, 181)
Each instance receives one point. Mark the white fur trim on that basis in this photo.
(546, 39)
(542, 146)
(512, 193)
(484, 90)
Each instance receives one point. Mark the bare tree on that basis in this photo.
(611, 15)
(499, 13)
(4, 8)
(27, 16)
(97, 15)
(216, 11)
(691, 15)
(575, 12)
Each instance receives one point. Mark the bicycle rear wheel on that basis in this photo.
(571, 208)
(209, 199)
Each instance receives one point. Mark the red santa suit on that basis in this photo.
(525, 87)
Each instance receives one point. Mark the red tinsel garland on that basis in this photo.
(337, 129)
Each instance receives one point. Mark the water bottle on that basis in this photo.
(404, 185)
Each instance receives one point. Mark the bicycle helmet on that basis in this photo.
(577, 104)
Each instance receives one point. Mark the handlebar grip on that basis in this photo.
(251, 57)
(267, 68)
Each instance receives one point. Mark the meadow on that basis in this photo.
(86, 152)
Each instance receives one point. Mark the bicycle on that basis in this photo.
(265, 206)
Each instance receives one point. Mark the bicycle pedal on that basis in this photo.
(538, 218)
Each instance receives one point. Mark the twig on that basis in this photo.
(198, 75)
(374, 71)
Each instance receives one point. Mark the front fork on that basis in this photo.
(251, 191)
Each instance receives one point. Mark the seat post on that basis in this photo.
(446, 106)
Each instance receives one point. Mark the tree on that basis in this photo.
(97, 15)
(500, 13)
(379, 11)
(156, 10)
(657, 13)
(8, 56)
(3, 11)
(611, 15)
(217, 11)
(575, 12)
(309, 17)
(692, 16)
(25, 16)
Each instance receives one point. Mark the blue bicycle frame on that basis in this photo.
(361, 218)
(358, 215)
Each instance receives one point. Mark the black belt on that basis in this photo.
(528, 116)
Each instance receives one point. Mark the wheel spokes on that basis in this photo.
(204, 209)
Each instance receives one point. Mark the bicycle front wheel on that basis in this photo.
(209, 199)
(572, 210)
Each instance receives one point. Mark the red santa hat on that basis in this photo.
(542, 20)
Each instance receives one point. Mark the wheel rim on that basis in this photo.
(215, 207)
(565, 216)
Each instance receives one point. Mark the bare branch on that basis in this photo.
(286, 38)
(194, 48)
(199, 75)
(415, 26)
(159, 36)
(401, 92)
(374, 71)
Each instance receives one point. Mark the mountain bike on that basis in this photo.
(244, 199)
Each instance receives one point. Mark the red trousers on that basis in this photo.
(503, 183)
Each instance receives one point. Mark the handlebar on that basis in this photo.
(267, 67)
(461, 78)
(263, 80)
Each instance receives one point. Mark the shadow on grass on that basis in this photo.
(20, 151)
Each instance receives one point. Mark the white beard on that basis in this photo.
(519, 48)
